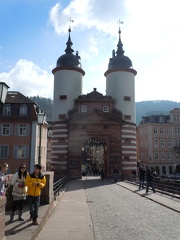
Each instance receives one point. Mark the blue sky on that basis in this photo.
(33, 34)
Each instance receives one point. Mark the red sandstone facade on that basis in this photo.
(93, 117)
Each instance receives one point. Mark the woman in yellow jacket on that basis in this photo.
(35, 181)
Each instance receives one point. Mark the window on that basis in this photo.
(83, 108)
(162, 156)
(142, 155)
(62, 116)
(177, 143)
(168, 131)
(155, 130)
(7, 110)
(176, 118)
(23, 110)
(162, 143)
(127, 98)
(161, 130)
(105, 108)
(164, 170)
(6, 129)
(161, 119)
(169, 144)
(127, 117)
(155, 143)
(22, 129)
(62, 97)
(177, 130)
(170, 170)
(156, 157)
(4, 151)
(21, 151)
(169, 156)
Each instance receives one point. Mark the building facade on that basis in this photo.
(20, 133)
(93, 129)
(158, 138)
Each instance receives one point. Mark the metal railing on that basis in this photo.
(60, 185)
(162, 185)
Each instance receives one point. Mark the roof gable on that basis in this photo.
(95, 116)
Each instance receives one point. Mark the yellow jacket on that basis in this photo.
(31, 179)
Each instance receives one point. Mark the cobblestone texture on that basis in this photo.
(119, 214)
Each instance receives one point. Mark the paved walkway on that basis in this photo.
(70, 219)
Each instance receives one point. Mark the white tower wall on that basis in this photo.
(66, 83)
(121, 85)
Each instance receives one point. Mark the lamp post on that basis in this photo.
(41, 120)
(3, 91)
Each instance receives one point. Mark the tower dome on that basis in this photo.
(69, 59)
(118, 60)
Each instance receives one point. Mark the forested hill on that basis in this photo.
(148, 107)
(142, 108)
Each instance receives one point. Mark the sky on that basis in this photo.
(33, 35)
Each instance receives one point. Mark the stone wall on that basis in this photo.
(2, 216)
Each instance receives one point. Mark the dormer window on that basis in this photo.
(23, 110)
(7, 110)
(105, 108)
(83, 108)
(161, 119)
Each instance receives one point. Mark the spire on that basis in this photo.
(69, 44)
(120, 50)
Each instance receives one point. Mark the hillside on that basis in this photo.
(148, 107)
(142, 108)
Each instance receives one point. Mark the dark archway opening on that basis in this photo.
(93, 156)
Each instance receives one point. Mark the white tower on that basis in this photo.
(120, 85)
(68, 76)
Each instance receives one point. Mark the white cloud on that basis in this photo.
(27, 78)
(101, 14)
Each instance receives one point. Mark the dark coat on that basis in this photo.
(149, 177)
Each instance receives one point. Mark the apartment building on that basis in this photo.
(158, 140)
(22, 138)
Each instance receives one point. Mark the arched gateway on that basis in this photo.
(94, 156)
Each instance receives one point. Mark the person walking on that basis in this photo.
(19, 191)
(3, 178)
(115, 172)
(149, 179)
(142, 173)
(35, 182)
(102, 174)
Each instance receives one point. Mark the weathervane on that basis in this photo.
(70, 21)
(120, 22)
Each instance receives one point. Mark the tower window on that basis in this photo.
(62, 97)
(127, 98)
(83, 108)
(105, 108)
(127, 117)
(62, 116)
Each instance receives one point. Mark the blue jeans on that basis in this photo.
(141, 183)
(34, 203)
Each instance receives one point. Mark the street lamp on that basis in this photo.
(3, 91)
(41, 120)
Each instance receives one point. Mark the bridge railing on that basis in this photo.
(59, 186)
(163, 185)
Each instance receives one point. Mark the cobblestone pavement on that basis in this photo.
(119, 214)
